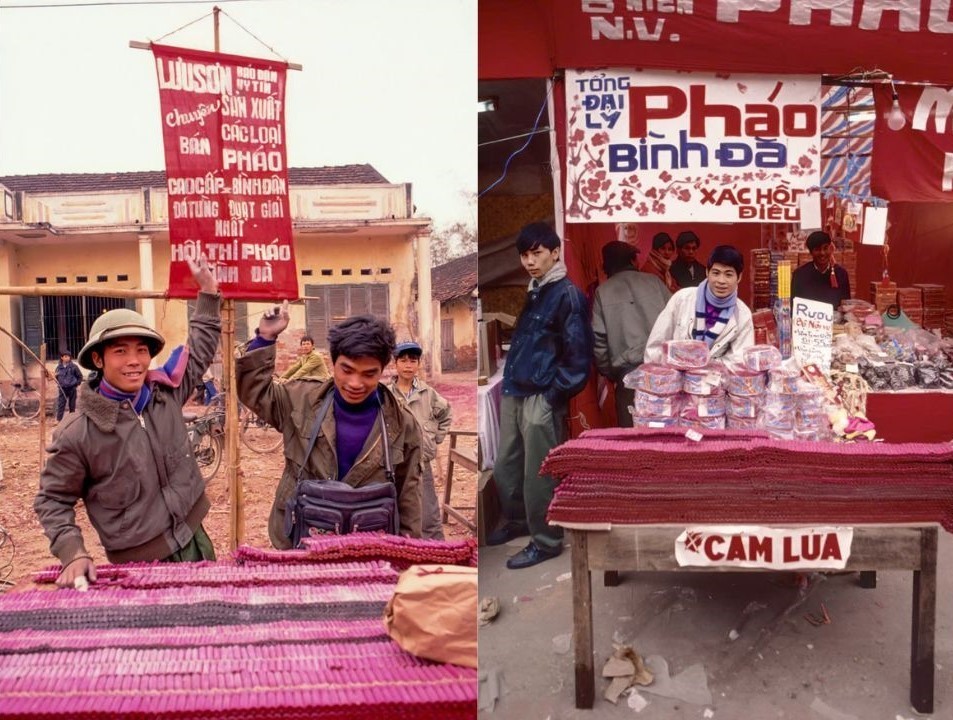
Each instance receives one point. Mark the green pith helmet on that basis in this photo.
(116, 324)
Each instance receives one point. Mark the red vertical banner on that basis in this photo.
(223, 127)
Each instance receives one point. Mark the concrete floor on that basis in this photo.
(856, 668)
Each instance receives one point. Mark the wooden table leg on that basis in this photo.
(924, 624)
(582, 619)
(868, 579)
(610, 578)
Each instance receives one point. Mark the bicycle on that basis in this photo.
(205, 434)
(24, 402)
(256, 434)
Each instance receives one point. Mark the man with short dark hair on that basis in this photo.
(626, 307)
(686, 270)
(68, 378)
(548, 362)
(348, 447)
(309, 365)
(821, 279)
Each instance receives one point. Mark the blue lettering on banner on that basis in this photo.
(627, 157)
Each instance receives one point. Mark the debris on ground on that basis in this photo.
(490, 688)
(489, 609)
(826, 711)
(750, 609)
(709, 713)
(562, 643)
(690, 685)
(817, 620)
(626, 669)
(636, 701)
(564, 576)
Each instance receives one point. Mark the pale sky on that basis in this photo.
(386, 82)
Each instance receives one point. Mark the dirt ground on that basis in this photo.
(24, 549)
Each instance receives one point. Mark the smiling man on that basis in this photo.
(548, 363)
(821, 279)
(126, 453)
(712, 312)
(348, 446)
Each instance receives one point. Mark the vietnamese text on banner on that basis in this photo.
(681, 147)
(223, 126)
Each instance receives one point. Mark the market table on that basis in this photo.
(266, 634)
(627, 498)
(912, 415)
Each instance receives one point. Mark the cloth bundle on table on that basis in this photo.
(285, 637)
(645, 477)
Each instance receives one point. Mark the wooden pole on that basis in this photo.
(236, 517)
(43, 405)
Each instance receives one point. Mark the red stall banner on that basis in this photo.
(223, 127)
(915, 162)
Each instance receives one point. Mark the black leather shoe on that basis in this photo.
(531, 555)
(506, 532)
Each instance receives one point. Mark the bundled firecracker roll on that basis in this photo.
(649, 405)
(810, 419)
(655, 422)
(776, 421)
(708, 380)
(741, 423)
(686, 354)
(946, 379)
(762, 357)
(902, 375)
(780, 402)
(811, 435)
(928, 375)
(654, 378)
(744, 406)
(783, 381)
(690, 418)
(742, 381)
(810, 398)
(705, 405)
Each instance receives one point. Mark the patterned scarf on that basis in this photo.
(663, 265)
(706, 328)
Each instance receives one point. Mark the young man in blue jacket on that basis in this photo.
(548, 363)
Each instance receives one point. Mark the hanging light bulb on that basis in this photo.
(895, 118)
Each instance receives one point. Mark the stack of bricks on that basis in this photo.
(883, 295)
(910, 300)
(934, 305)
(762, 270)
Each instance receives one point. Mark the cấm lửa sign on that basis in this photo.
(679, 147)
(750, 546)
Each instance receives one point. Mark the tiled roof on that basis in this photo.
(91, 182)
(454, 279)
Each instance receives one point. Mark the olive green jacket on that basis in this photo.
(291, 408)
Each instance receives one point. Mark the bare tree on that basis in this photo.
(449, 242)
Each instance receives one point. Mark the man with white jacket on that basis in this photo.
(711, 312)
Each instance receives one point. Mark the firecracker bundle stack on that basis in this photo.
(652, 477)
(883, 295)
(910, 300)
(297, 634)
(934, 305)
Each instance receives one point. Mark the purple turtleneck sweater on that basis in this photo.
(352, 424)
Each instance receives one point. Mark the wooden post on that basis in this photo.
(923, 630)
(236, 518)
(42, 392)
(582, 619)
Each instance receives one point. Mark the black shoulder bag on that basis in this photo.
(331, 507)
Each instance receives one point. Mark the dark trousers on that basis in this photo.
(624, 397)
(66, 395)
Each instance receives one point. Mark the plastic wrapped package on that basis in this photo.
(812, 435)
(650, 405)
(810, 398)
(946, 379)
(740, 423)
(654, 378)
(686, 354)
(762, 357)
(704, 381)
(705, 405)
(781, 380)
(780, 402)
(690, 419)
(655, 422)
(876, 374)
(744, 406)
(742, 381)
(902, 375)
(810, 420)
(928, 375)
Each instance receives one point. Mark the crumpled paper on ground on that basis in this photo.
(489, 609)
(626, 669)
(490, 688)
(690, 685)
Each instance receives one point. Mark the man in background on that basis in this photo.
(68, 377)
(686, 270)
(434, 417)
(625, 309)
(821, 279)
(310, 364)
